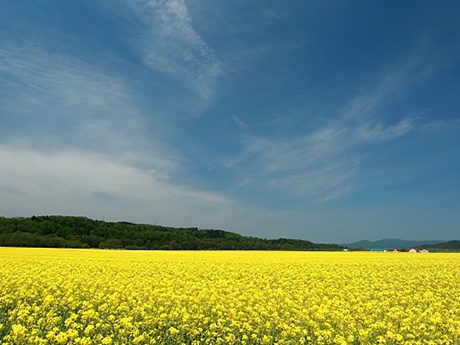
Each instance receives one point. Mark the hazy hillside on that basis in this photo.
(450, 246)
(81, 232)
(389, 243)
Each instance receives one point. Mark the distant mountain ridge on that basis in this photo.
(390, 243)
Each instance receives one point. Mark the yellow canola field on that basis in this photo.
(65, 296)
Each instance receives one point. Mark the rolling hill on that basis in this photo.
(82, 232)
(390, 243)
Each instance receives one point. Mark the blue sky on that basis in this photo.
(326, 121)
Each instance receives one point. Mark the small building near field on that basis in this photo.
(413, 250)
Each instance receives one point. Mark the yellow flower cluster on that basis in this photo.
(65, 296)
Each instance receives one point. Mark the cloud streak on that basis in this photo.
(166, 41)
(309, 166)
(381, 133)
(241, 125)
(81, 182)
(84, 106)
(322, 164)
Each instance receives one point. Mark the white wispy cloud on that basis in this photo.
(92, 184)
(60, 101)
(282, 155)
(320, 184)
(322, 164)
(379, 132)
(164, 37)
(440, 125)
(310, 166)
(242, 125)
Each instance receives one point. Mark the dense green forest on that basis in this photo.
(81, 232)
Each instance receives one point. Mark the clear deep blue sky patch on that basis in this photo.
(326, 121)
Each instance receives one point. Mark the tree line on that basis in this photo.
(82, 232)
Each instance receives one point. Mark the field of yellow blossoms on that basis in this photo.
(65, 296)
